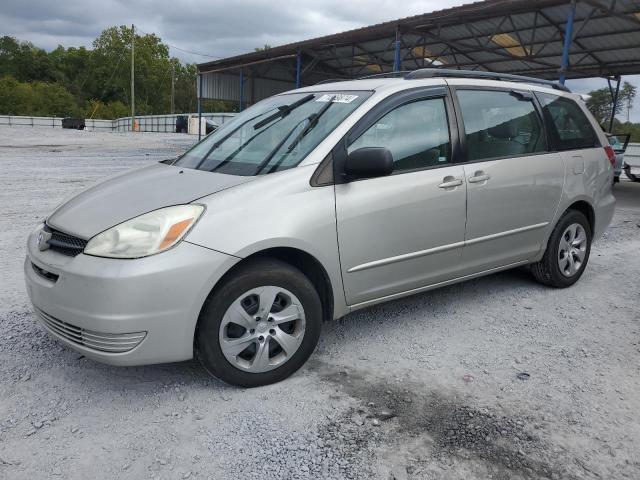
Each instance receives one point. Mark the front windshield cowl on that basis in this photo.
(273, 135)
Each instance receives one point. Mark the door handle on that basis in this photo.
(478, 177)
(450, 182)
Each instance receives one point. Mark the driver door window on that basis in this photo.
(416, 133)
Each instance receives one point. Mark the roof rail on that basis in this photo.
(375, 75)
(401, 73)
(332, 80)
(506, 77)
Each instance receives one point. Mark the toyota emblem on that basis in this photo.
(43, 240)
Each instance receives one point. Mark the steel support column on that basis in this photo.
(568, 38)
(199, 106)
(241, 102)
(298, 69)
(397, 62)
(614, 98)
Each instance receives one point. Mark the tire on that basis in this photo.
(558, 270)
(631, 176)
(235, 315)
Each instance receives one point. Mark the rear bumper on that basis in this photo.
(124, 312)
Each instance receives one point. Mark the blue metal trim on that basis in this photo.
(397, 62)
(298, 69)
(568, 38)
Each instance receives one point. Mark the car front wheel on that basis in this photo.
(260, 325)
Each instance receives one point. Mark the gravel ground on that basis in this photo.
(493, 378)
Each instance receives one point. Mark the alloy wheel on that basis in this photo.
(572, 249)
(262, 329)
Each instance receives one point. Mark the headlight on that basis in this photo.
(147, 234)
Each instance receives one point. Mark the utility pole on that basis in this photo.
(133, 96)
(173, 87)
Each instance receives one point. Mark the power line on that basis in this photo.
(194, 53)
(106, 85)
(182, 49)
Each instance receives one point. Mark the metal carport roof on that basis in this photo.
(525, 37)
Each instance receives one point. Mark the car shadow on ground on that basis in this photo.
(189, 374)
(506, 282)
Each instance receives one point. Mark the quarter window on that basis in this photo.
(416, 133)
(499, 124)
(570, 127)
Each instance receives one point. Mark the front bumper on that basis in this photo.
(124, 312)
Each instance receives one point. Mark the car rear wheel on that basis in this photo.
(567, 252)
(631, 176)
(260, 325)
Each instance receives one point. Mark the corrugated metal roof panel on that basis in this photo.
(506, 36)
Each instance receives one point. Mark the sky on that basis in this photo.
(217, 28)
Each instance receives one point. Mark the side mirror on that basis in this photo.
(369, 162)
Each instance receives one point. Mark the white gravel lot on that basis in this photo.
(384, 396)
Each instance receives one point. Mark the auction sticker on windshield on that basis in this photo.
(337, 98)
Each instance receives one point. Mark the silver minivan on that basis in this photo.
(317, 202)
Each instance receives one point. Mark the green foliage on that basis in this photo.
(110, 111)
(35, 98)
(81, 80)
(628, 93)
(600, 102)
(219, 106)
(627, 127)
(23, 61)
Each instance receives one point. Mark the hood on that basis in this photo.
(133, 193)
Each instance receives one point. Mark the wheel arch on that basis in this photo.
(586, 209)
(309, 265)
(582, 205)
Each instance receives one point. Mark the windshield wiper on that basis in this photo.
(313, 121)
(272, 153)
(233, 154)
(225, 138)
(283, 111)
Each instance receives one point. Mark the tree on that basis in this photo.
(112, 51)
(23, 61)
(96, 81)
(600, 102)
(35, 98)
(628, 93)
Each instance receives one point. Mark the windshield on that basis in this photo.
(273, 135)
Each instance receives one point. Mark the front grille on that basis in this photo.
(103, 342)
(64, 243)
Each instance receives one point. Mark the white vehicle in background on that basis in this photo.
(631, 162)
(619, 144)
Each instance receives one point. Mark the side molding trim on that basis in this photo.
(442, 248)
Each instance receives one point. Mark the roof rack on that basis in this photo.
(332, 80)
(401, 73)
(375, 75)
(506, 77)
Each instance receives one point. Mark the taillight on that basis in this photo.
(611, 155)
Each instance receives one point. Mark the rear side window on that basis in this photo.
(499, 124)
(570, 127)
(416, 133)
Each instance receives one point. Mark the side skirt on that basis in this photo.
(433, 286)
